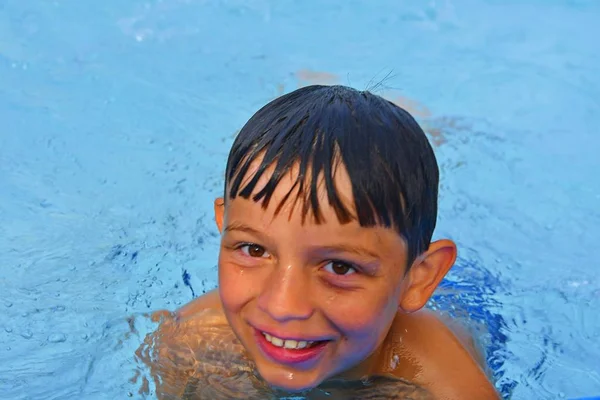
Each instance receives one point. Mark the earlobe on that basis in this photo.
(219, 212)
(426, 273)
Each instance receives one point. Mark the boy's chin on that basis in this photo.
(288, 381)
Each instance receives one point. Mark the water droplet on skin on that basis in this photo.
(394, 362)
(8, 304)
(8, 329)
(290, 376)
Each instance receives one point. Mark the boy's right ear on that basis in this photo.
(219, 212)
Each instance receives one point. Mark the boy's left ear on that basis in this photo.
(426, 273)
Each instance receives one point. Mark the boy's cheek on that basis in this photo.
(237, 286)
(364, 318)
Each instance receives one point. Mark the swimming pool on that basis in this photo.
(117, 119)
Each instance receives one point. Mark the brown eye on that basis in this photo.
(340, 268)
(254, 250)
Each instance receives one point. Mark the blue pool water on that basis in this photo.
(116, 119)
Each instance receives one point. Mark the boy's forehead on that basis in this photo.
(290, 184)
(289, 216)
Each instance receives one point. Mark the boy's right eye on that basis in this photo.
(254, 250)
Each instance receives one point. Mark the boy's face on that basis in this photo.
(308, 301)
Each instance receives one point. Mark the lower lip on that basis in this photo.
(289, 356)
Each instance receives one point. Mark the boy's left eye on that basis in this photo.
(339, 268)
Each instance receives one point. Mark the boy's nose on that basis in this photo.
(286, 295)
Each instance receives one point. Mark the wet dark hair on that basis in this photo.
(390, 163)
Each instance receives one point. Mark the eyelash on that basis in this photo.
(349, 265)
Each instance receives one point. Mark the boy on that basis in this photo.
(325, 264)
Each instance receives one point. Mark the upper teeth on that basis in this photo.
(287, 344)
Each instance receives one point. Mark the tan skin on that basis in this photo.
(343, 283)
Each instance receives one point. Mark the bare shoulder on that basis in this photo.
(208, 301)
(191, 345)
(438, 357)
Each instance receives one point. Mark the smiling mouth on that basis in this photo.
(290, 351)
(290, 344)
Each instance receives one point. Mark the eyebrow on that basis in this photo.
(237, 226)
(350, 248)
